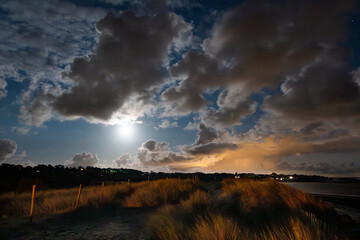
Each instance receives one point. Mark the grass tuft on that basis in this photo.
(160, 192)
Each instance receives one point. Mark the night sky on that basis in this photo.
(212, 86)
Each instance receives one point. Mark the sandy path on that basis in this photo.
(109, 222)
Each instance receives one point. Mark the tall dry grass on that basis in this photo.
(59, 201)
(160, 192)
(246, 210)
(141, 194)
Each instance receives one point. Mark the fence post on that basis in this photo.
(148, 178)
(102, 192)
(129, 183)
(78, 197)
(32, 202)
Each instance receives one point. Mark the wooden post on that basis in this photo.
(32, 202)
(78, 197)
(148, 178)
(129, 183)
(102, 191)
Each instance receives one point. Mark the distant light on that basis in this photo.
(82, 169)
(281, 179)
(291, 177)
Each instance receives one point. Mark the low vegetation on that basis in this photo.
(142, 194)
(59, 201)
(241, 209)
(160, 192)
(247, 210)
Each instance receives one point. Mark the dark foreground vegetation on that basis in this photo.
(190, 209)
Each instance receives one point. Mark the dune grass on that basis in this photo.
(58, 201)
(160, 192)
(246, 210)
(141, 194)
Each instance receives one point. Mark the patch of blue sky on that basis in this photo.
(354, 39)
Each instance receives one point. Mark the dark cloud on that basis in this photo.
(321, 167)
(322, 90)
(310, 128)
(123, 160)
(149, 145)
(7, 149)
(83, 160)
(205, 135)
(232, 108)
(208, 141)
(255, 45)
(128, 62)
(158, 154)
(209, 148)
(200, 73)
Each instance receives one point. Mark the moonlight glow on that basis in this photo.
(125, 130)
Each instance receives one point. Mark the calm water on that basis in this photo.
(338, 189)
(351, 190)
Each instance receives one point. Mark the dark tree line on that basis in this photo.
(20, 178)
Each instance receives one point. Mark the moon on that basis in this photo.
(126, 130)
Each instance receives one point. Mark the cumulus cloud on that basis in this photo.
(7, 149)
(208, 141)
(128, 62)
(83, 160)
(156, 154)
(105, 82)
(205, 135)
(123, 160)
(233, 106)
(322, 90)
(254, 45)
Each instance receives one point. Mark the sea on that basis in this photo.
(340, 193)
